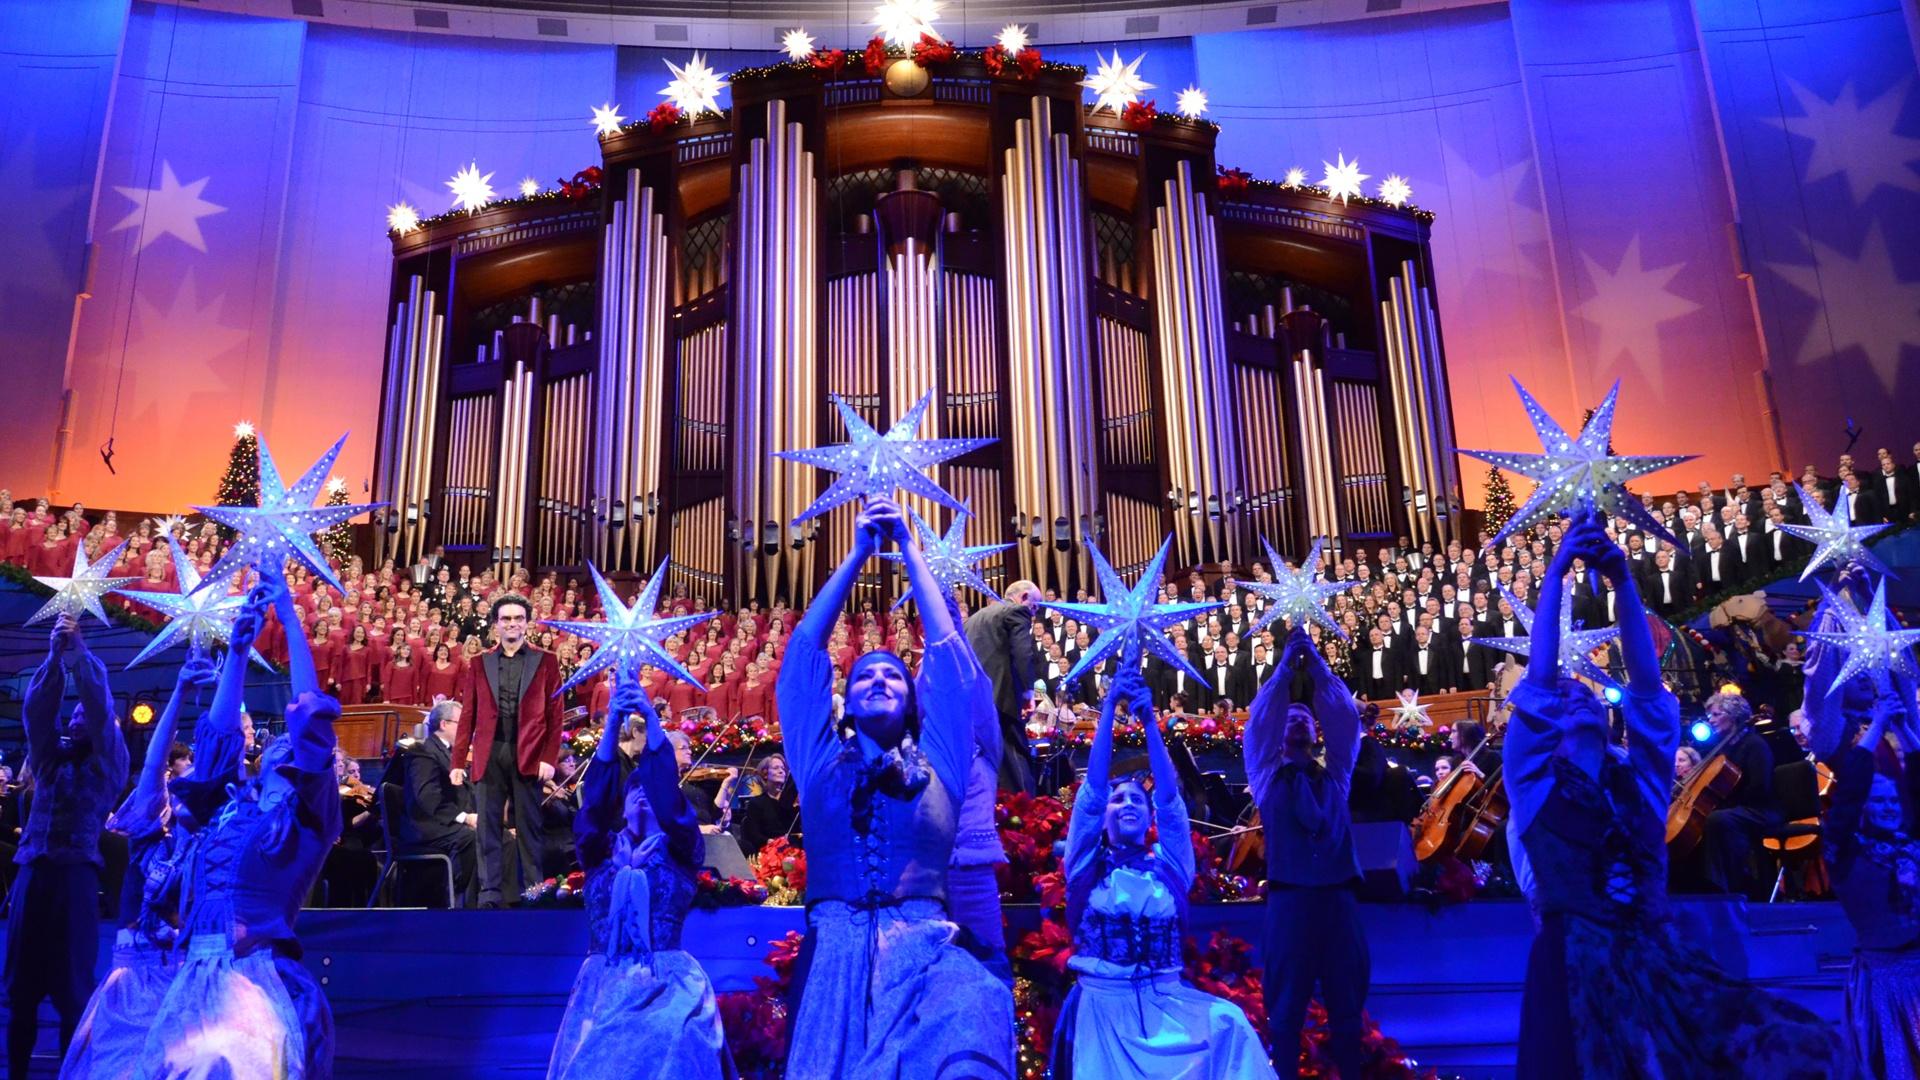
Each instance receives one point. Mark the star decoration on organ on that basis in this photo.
(870, 463)
(1576, 646)
(948, 556)
(797, 43)
(1838, 542)
(1580, 473)
(1394, 190)
(1296, 177)
(629, 636)
(1191, 103)
(1116, 85)
(1343, 178)
(81, 593)
(281, 527)
(1294, 594)
(1410, 713)
(1013, 37)
(471, 190)
(695, 88)
(1871, 642)
(902, 23)
(203, 618)
(401, 219)
(1129, 621)
(529, 187)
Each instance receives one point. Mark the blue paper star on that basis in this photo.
(949, 557)
(1294, 593)
(1576, 646)
(1129, 620)
(82, 592)
(874, 464)
(630, 636)
(203, 617)
(1872, 643)
(1838, 542)
(282, 526)
(1578, 473)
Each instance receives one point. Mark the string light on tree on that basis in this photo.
(902, 23)
(1499, 508)
(1294, 594)
(471, 190)
(1394, 190)
(1013, 37)
(797, 43)
(870, 463)
(1837, 542)
(607, 119)
(402, 219)
(1116, 85)
(240, 484)
(1871, 642)
(1343, 178)
(282, 526)
(949, 557)
(695, 88)
(81, 592)
(337, 541)
(629, 636)
(1296, 177)
(1129, 620)
(1191, 103)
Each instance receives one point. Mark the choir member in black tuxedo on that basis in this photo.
(1472, 666)
(436, 815)
(1253, 675)
(1716, 565)
(1749, 811)
(1782, 546)
(1501, 622)
(1427, 668)
(1376, 668)
(1221, 677)
(1667, 586)
(1896, 490)
(1749, 546)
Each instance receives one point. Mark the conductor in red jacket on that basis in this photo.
(508, 742)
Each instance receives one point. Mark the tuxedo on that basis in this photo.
(1377, 672)
(424, 809)
(1472, 666)
(1666, 590)
(1717, 567)
(1754, 550)
(1253, 676)
(1895, 492)
(509, 726)
(1427, 668)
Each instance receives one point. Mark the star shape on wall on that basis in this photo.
(1129, 620)
(1627, 305)
(1860, 141)
(1868, 305)
(628, 635)
(870, 463)
(172, 209)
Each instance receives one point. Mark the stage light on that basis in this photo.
(1612, 694)
(142, 714)
(1730, 688)
(1701, 731)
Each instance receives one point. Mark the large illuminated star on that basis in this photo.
(1872, 643)
(1576, 646)
(172, 209)
(1296, 178)
(1578, 473)
(1862, 142)
(875, 464)
(607, 120)
(402, 218)
(902, 23)
(1869, 304)
(1294, 594)
(630, 636)
(1395, 191)
(282, 526)
(82, 592)
(1410, 713)
(203, 618)
(695, 89)
(1128, 619)
(1837, 543)
(1342, 180)
(797, 44)
(1013, 37)
(949, 557)
(1116, 85)
(1627, 305)
(1191, 103)
(471, 190)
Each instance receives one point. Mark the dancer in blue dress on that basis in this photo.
(888, 993)
(641, 1006)
(1129, 1014)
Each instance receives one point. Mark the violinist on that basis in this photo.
(1749, 811)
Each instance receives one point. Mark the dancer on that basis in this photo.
(1587, 834)
(53, 913)
(1129, 1014)
(888, 993)
(641, 1005)
(114, 1028)
(1313, 916)
(243, 1004)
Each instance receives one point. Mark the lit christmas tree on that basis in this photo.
(337, 541)
(1499, 500)
(240, 485)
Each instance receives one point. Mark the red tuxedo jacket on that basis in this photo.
(479, 714)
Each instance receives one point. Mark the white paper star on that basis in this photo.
(1296, 177)
(1410, 713)
(282, 526)
(1013, 38)
(1342, 180)
(1862, 142)
(1870, 306)
(82, 592)
(901, 23)
(630, 636)
(607, 119)
(402, 219)
(1627, 306)
(1191, 103)
(243, 429)
(1578, 473)
(1576, 646)
(948, 557)
(1837, 543)
(202, 617)
(471, 191)
(1394, 190)
(875, 464)
(1873, 643)
(1294, 594)
(695, 89)
(172, 209)
(1116, 85)
(797, 43)
(1129, 621)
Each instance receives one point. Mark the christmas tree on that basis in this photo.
(1499, 500)
(240, 486)
(337, 541)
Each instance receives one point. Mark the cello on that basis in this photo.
(1700, 794)
(1485, 817)
(1436, 829)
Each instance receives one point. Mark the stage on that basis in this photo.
(479, 994)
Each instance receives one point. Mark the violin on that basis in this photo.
(1700, 794)
(1250, 844)
(357, 791)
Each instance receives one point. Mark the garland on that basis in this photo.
(712, 891)
(1242, 182)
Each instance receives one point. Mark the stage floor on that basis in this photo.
(478, 994)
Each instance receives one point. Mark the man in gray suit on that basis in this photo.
(1002, 637)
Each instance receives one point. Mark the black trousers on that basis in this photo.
(53, 941)
(1016, 764)
(1732, 843)
(502, 790)
(1314, 937)
(420, 885)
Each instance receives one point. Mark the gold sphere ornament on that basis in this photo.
(906, 79)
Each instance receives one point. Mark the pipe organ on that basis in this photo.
(605, 373)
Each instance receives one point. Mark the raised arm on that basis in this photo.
(302, 676)
(151, 786)
(936, 617)
(815, 627)
(1338, 714)
(1637, 650)
(41, 711)
(1267, 717)
(1169, 808)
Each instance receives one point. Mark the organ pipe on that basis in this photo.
(407, 422)
(1417, 390)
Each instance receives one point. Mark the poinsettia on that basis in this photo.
(930, 50)
(1139, 115)
(782, 868)
(664, 115)
(1029, 61)
(1233, 181)
(874, 57)
(1050, 946)
(828, 61)
(1052, 889)
(995, 58)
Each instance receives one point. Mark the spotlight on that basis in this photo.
(1701, 731)
(142, 714)
(1612, 694)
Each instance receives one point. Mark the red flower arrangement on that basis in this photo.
(713, 891)
(1029, 827)
(664, 115)
(584, 183)
(1232, 181)
(1139, 115)
(995, 58)
(782, 868)
(756, 1021)
(1049, 947)
(828, 61)
(1030, 62)
(874, 57)
(930, 50)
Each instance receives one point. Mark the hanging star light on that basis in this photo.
(1294, 594)
(630, 636)
(1116, 85)
(607, 119)
(1013, 37)
(797, 43)
(1129, 620)
(949, 557)
(81, 593)
(695, 89)
(1410, 713)
(872, 464)
(529, 187)
(1839, 543)
(402, 219)
(203, 618)
(1394, 190)
(1296, 177)
(242, 429)
(1576, 646)
(1578, 473)
(902, 23)
(471, 191)
(1872, 642)
(1343, 179)
(282, 526)
(1191, 103)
